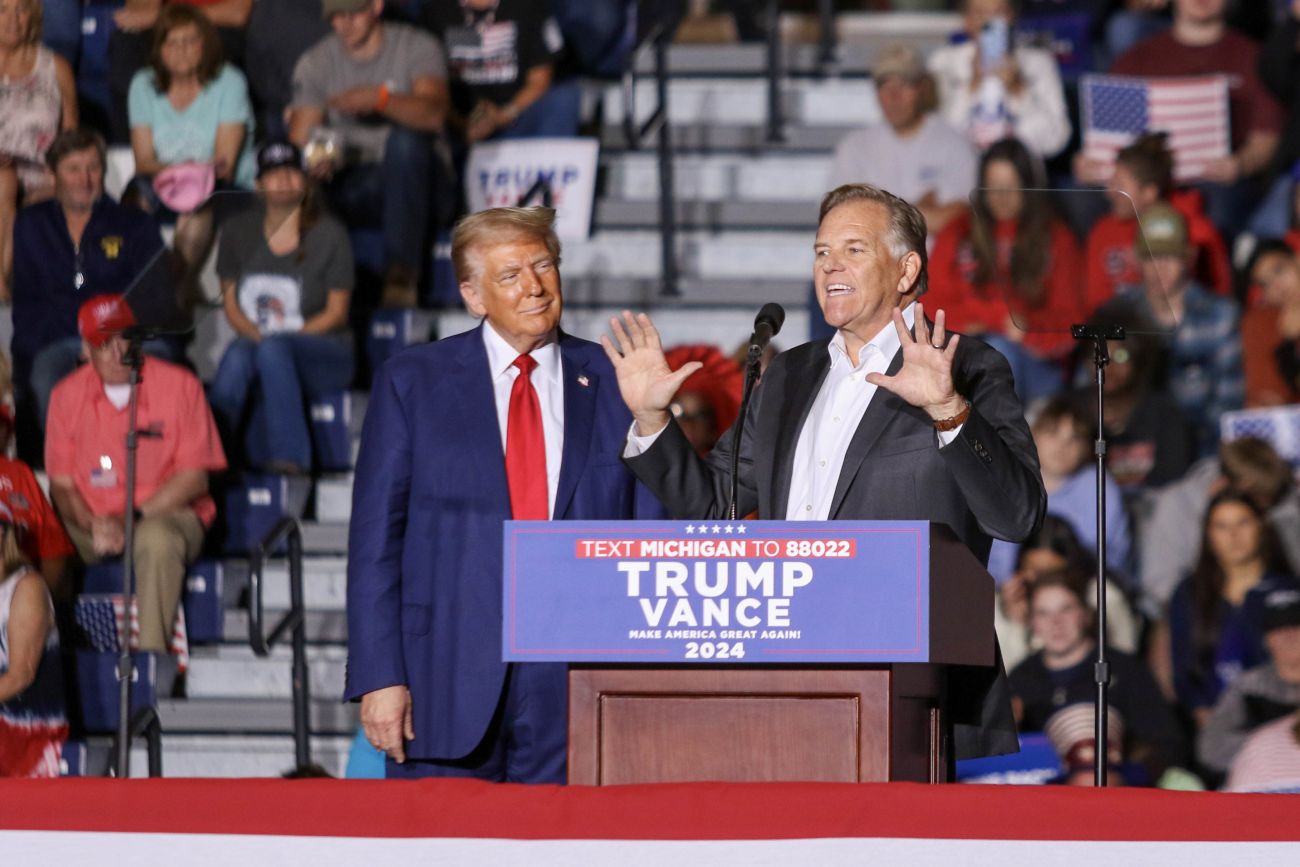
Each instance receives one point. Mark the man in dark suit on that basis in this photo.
(513, 419)
(890, 419)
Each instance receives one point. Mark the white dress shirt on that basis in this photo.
(836, 412)
(548, 380)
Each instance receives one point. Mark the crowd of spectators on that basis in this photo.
(361, 117)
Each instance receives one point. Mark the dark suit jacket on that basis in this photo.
(424, 546)
(984, 483)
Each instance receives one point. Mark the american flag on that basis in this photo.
(100, 617)
(1192, 110)
(1279, 426)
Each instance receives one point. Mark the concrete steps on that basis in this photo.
(329, 715)
(234, 672)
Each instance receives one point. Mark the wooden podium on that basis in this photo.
(856, 722)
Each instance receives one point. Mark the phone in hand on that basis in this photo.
(994, 43)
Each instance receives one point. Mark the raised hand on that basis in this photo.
(645, 380)
(925, 379)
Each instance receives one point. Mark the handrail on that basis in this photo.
(775, 111)
(658, 36)
(289, 530)
(541, 185)
(826, 55)
(144, 723)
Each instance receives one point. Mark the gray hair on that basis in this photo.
(906, 224)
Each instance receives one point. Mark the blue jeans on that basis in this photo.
(555, 115)
(396, 194)
(1035, 378)
(288, 369)
(61, 30)
(61, 357)
(1272, 217)
(599, 32)
(1126, 29)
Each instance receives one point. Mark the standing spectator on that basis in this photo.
(1215, 627)
(189, 106)
(914, 153)
(1200, 43)
(368, 101)
(85, 455)
(130, 43)
(1270, 330)
(76, 246)
(1205, 373)
(1061, 674)
(286, 280)
(1261, 695)
(1143, 177)
(1063, 434)
(33, 726)
(501, 55)
(1010, 271)
(990, 87)
(279, 32)
(37, 99)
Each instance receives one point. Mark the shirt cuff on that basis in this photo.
(638, 445)
(947, 436)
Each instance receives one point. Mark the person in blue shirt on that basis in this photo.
(67, 249)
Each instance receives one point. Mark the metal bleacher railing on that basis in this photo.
(289, 531)
(827, 60)
(657, 35)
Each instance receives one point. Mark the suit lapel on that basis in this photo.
(802, 383)
(580, 389)
(882, 410)
(477, 409)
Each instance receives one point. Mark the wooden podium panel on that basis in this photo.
(753, 724)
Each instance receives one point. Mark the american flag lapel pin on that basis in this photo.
(583, 381)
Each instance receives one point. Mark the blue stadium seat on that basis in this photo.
(392, 331)
(201, 598)
(92, 69)
(250, 505)
(331, 415)
(97, 686)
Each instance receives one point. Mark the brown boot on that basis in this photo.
(400, 289)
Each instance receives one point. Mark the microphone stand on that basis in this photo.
(1098, 336)
(134, 359)
(753, 364)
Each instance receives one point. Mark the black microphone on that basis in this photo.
(767, 324)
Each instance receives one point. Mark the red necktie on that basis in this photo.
(526, 448)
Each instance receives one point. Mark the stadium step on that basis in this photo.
(323, 627)
(234, 672)
(329, 716)
(723, 178)
(191, 755)
(702, 214)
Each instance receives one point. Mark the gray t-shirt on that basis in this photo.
(936, 158)
(280, 293)
(326, 69)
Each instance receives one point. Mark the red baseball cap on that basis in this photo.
(102, 317)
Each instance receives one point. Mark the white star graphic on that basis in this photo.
(716, 529)
(741, 529)
(690, 528)
(729, 529)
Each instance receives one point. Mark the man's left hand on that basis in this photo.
(107, 535)
(356, 100)
(925, 379)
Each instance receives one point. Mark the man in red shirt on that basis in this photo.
(85, 455)
(1200, 43)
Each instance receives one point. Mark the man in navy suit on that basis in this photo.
(513, 419)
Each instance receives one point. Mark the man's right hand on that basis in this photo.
(107, 535)
(644, 378)
(386, 720)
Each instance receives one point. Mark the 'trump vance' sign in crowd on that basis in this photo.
(715, 591)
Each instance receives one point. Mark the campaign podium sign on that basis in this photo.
(724, 592)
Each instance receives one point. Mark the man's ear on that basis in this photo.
(473, 303)
(911, 272)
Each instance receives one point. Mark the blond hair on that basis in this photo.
(497, 225)
(12, 557)
(906, 224)
(35, 22)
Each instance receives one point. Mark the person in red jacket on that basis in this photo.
(1144, 176)
(1010, 271)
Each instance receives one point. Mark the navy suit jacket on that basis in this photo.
(424, 546)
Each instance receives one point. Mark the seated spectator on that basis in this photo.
(1010, 271)
(189, 106)
(914, 153)
(1270, 330)
(1169, 530)
(368, 101)
(1063, 435)
(131, 41)
(501, 60)
(33, 726)
(286, 280)
(1200, 43)
(85, 455)
(708, 402)
(78, 245)
(1261, 695)
(38, 97)
(1072, 733)
(1056, 548)
(1060, 674)
(1143, 177)
(990, 88)
(1269, 760)
(1203, 330)
(1214, 629)
(1147, 442)
(279, 32)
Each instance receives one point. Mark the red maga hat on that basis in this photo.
(102, 317)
